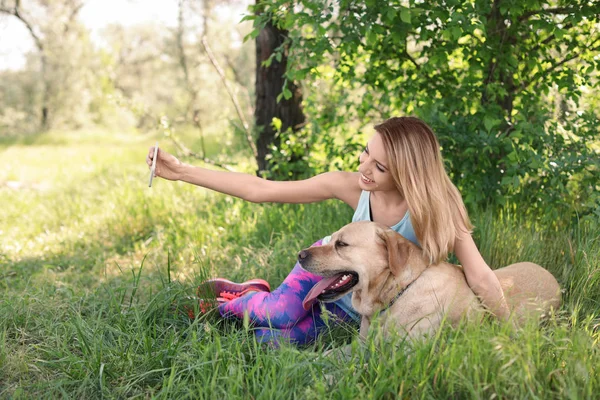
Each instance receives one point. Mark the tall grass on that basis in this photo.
(94, 267)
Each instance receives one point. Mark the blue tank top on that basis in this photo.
(363, 213)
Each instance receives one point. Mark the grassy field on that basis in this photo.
(94, 264)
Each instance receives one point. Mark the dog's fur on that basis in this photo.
(387, 264)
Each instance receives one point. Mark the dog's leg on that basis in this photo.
(365, 323)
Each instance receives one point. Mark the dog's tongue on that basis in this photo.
(323, 284)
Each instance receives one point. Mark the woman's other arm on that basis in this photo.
(480, 276)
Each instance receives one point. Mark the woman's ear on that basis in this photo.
(397, 248)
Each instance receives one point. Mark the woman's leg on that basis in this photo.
(281, 308)
(279, 315)
(304, 331)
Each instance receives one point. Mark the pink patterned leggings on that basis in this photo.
(279, 315)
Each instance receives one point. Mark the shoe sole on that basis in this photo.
(220, 285)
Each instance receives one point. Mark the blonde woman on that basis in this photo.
(401, 183)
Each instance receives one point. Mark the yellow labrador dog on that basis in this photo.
(388, 274)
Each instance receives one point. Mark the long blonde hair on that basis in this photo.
(436, 208)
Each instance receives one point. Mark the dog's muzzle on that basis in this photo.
(303, 256)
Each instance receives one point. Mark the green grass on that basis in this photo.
(93, 265)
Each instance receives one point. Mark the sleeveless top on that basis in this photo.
(363, 213)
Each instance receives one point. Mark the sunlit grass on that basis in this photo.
(94, 265)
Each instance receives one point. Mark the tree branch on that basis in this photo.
(190, 87)
(549, 39)
(553, 67)
(555, 11)
(232, 96)
(239, 80)
(16, 12)
(77, 7)
(183, 150)
(168, 132)
(182, 55)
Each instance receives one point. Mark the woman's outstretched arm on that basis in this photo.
(330, 185)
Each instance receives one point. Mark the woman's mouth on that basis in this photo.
(366, 180)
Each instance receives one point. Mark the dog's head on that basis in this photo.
(366, 258)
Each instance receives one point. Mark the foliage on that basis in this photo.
(506, 85)
(88, 76)
(313, 149)
(58, 83)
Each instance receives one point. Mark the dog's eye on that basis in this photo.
(339, 243)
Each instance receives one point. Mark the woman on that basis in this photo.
(401, 183)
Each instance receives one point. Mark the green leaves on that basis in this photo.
(405, 15)
(489, 122)
(500, 86)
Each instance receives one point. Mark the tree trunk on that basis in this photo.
(269, 84)
(44, 118)
(497, 23)
(16, 11)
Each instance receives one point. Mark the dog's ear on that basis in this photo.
(397, 249)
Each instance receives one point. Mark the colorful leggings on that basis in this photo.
(279, 315)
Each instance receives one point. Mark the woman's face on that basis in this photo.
(374, 167)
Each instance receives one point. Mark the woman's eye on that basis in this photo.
(339, 243)
(380, 168)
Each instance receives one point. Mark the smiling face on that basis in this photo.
(375, 174)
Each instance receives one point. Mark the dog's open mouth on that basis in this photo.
(330, 288)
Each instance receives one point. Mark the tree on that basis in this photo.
(486, 75)
(278, 101)
(48, 24)
(276, 97)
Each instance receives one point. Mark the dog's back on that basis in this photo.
(442, 292)
(529, 289)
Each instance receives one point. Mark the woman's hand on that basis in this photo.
(167, 165)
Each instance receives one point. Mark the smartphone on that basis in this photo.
(153, 164)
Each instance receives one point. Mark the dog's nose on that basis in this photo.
(303, 255)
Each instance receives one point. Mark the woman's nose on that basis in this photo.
(365, 160)
(362, 157)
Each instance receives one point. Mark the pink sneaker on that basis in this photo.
(218, 286)
(223, 290)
